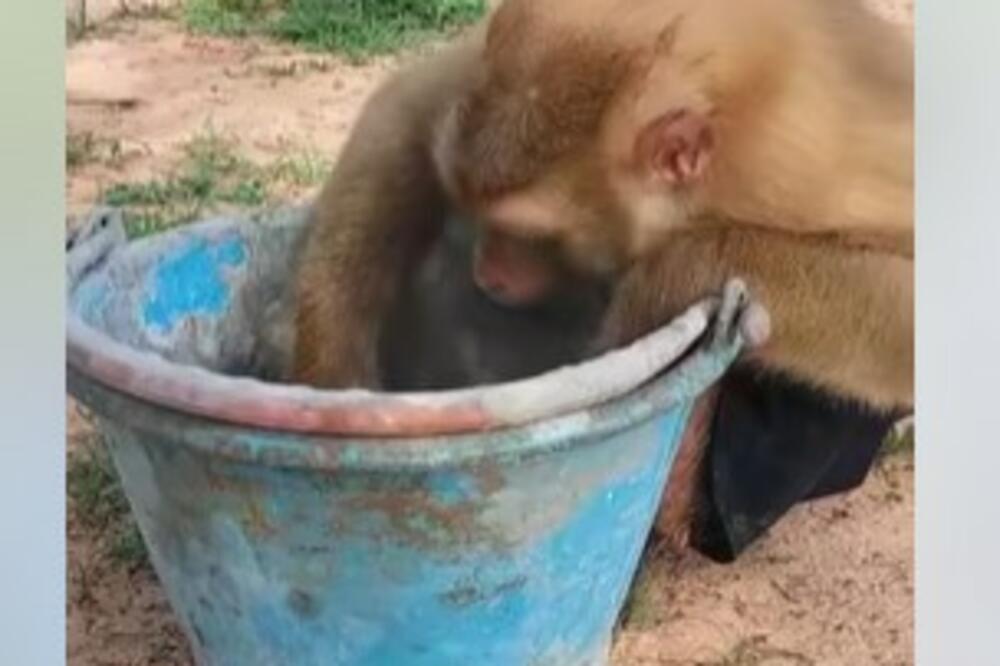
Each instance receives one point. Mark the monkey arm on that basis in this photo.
(373, 220)
(841, 317)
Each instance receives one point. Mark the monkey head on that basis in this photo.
(568, 139)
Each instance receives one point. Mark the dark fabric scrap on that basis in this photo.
(775, 443)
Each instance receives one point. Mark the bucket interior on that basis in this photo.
(201, 320)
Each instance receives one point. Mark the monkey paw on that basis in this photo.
(739, 314)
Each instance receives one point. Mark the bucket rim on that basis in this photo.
(253, 403)
(247, 444)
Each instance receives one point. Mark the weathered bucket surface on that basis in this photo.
(496, 525)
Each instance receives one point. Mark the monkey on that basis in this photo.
(657, 145)
(647, 136)
(617, 132)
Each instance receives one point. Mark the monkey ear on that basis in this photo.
(675, 147)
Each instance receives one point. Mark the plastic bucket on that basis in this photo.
(498, 525)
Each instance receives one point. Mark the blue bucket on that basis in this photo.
(495, 525)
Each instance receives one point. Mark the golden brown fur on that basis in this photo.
(841, 318)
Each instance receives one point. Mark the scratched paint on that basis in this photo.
(192, 282)
(513, 547)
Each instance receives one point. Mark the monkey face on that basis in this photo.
(602, 203)
(516, 272)
(534, 232)
(546, 146)
(573, 212)
(598, 215)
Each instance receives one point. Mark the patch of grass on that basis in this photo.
(357, 28)
(364, 27)
(99, 503)
(211, 174)
(211, 171)
(300, 170)
(231, 18)
(212, 177)
(128, 548)
(84, 148)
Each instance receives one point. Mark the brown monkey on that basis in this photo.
(620, 133)
(663, 145)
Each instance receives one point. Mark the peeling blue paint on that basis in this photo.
(192, 282)
(335, 579)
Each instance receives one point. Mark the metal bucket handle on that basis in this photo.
(302, 409)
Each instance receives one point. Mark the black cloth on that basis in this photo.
(773, 444)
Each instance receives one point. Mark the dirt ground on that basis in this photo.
(832, 585)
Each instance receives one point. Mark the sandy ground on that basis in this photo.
(832, 585)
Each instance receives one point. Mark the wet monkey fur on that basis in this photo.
(661, 145)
